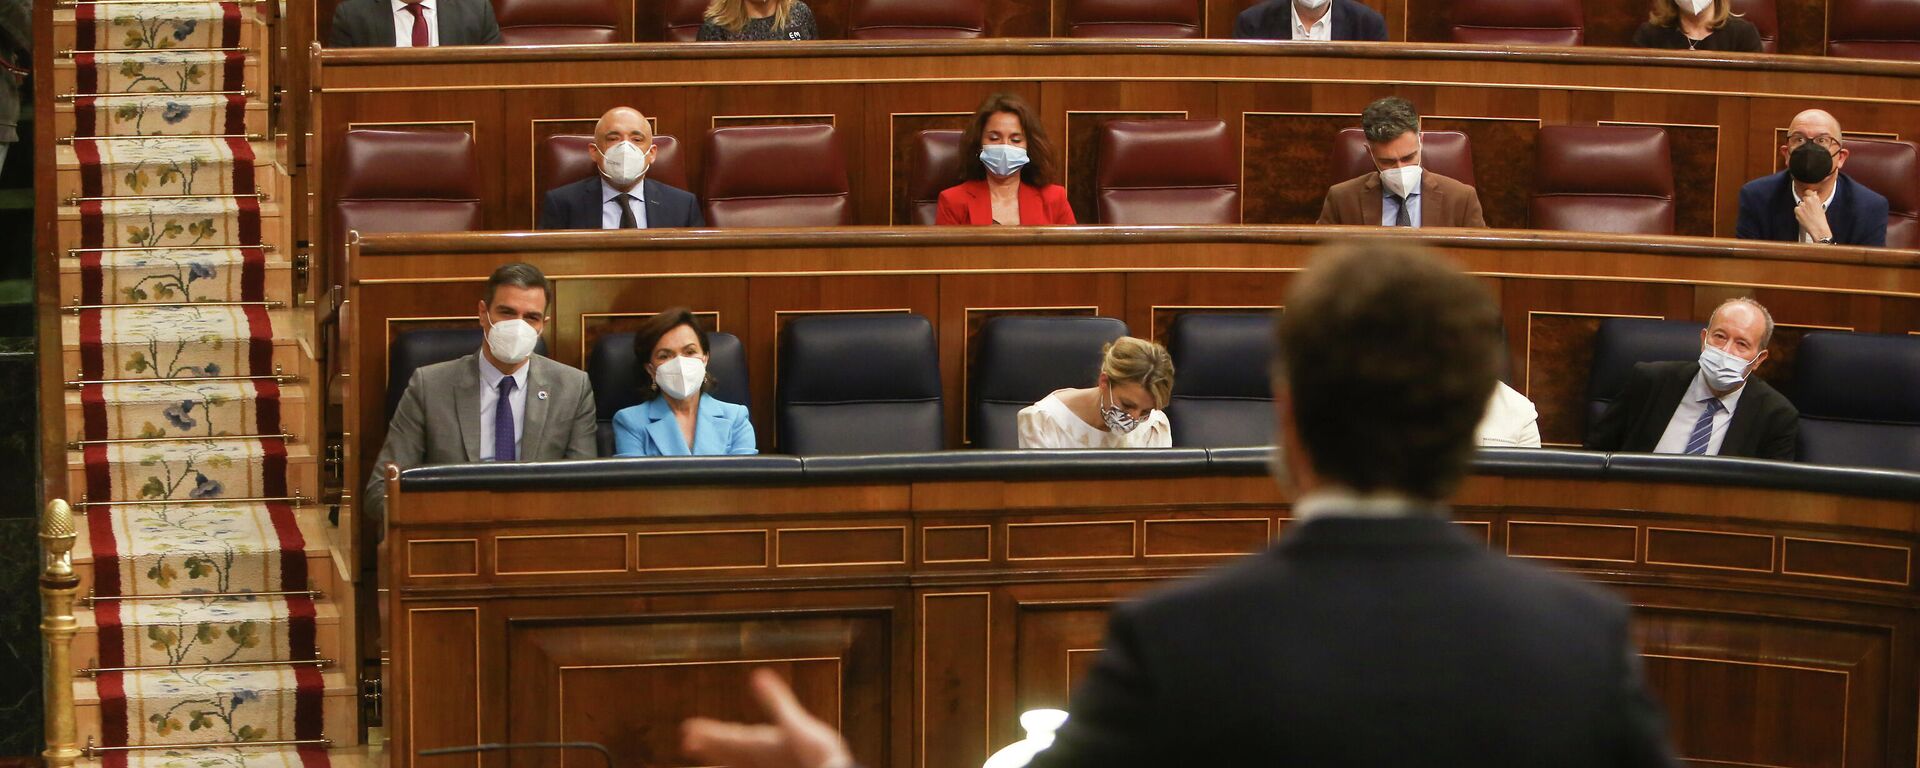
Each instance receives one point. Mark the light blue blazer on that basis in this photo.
(648, 429)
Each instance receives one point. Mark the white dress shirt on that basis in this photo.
(610, 205)
(1511, 420)
(1692, 404)
(1321, 30)
(1390, 207)
(1825, 205)
(490, 397)
(1340, 502)
(403, 25)
(1051, 424)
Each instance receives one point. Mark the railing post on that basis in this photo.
(58, 585)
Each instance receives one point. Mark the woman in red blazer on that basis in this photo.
(1011, 180)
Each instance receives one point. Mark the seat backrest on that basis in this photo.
(1765, 16)
(1624, 341)
(683, 19)
(1167, 172)
(1022, 359)
(1178, 19)
(936, 166)
(917, 19)
(1518, 22)
(1222, 396)
(1859, 399)
(866, 383)
(1891, 168)
(413, 350)
(1604, 178)
(406, 181)
(614, 370)
(557, 22)
(565, 159)
(1874, 29)
(776, 176)
(1448, 153)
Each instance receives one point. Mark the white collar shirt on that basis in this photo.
(1340, 502)
(1692, 404)
(403, 24)
(490, 399)
(1826, 205)
(1321, 30)
(610, 205)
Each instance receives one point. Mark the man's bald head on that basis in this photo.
(620, 125)
(1814, 123)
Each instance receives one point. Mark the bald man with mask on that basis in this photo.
(1812, 201)
(620, 196)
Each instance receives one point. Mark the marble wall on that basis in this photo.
(19, 462)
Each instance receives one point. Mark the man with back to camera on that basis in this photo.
(1322, 20)
(1376, 632)
(1710, 407)
(413, 24)
(501, 403)
(620, 196)
(1812, 201)
(1400, 192)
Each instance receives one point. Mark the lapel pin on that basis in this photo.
(542, 394)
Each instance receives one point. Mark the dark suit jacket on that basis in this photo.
(1273, 20)
(969, 202)
(1367, 642)
(1764, 425)
(1443, 202)
(1858, 215)
(369, 23)
(577, 206)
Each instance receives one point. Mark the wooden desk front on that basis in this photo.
(922, 616)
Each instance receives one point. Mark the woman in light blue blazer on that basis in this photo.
(679, 418)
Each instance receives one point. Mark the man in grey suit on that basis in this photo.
(620, 196)
(413, 24)
(502, 403)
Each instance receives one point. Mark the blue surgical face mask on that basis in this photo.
(1724, 370)
(1003, 159)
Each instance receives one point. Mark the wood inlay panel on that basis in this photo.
(701, 550)
(443, 653)
(444, 557)
(1286, 165)
(955, 669)
(1503, 159)
(1846, 560)
(1056, 645)
(1069, 541)
(662, 691)
(1710, 549)
(560, 553)
(1702, 694)
(1559, 391)
(840, 546)
(956, 543)
(1573, 541)
(1204, 538)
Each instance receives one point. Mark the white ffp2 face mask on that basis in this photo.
(1724, 370)
(511, 341)
(624, 164)
(1695, 7)
(681, 377)
(1401, 181)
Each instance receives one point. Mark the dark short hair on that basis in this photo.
(1390, 355)
(649, 333)
(1040, 168)
(518, 274)
(1385, 119)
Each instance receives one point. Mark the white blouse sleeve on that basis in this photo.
(1160, 431)
(1036, 430)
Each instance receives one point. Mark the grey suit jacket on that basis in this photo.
(369, 23)
(438, 421)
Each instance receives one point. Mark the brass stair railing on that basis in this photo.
(58, 585)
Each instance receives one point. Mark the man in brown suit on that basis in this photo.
(1400, 193)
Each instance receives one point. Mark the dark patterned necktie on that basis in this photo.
(627, 219)
(503, 448)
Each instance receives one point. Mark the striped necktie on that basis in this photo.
(1703, 428)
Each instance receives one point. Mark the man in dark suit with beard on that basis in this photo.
(1375, 633)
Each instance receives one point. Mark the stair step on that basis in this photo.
(179, 343)
(315, 533)
(178, 479)
(155, 122)
(196, 71)
(165, 156)
(253, 28)
(177, 409)
(153, 217)
(206, 631)
(154, 693)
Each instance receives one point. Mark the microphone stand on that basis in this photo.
(502, 747)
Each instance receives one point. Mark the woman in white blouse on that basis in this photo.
(1121, 411)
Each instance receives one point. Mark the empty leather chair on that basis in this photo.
(1222, 397)
(859, 384)
(776, 176)
(1859, 399)
(565, 159)
(682, 19)
(1874, 29)
(917, 19)
(1448, 153)
(1624, 341)
(1175, 19)
(1518, 22)
(1604, 178)
(413, 350)
(615, 372)
(1765, 16)
(557, 22)
(1023, 358)
(1167, 172)
(935, 167)
(1891, 168)
(405, 181)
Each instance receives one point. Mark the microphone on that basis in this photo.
(498, 747)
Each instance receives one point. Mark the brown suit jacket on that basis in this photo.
(1443, 202)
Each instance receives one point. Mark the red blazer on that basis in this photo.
(970, 203)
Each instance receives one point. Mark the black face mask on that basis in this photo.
(1810, 163)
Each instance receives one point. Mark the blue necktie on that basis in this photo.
(503, 422)
(1703, 428)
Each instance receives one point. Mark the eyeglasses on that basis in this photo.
(1795, 140)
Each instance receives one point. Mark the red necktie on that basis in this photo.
(419, 25)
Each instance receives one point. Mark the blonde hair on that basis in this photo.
(1138, 361)
(731, 15)
(1666, 13)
